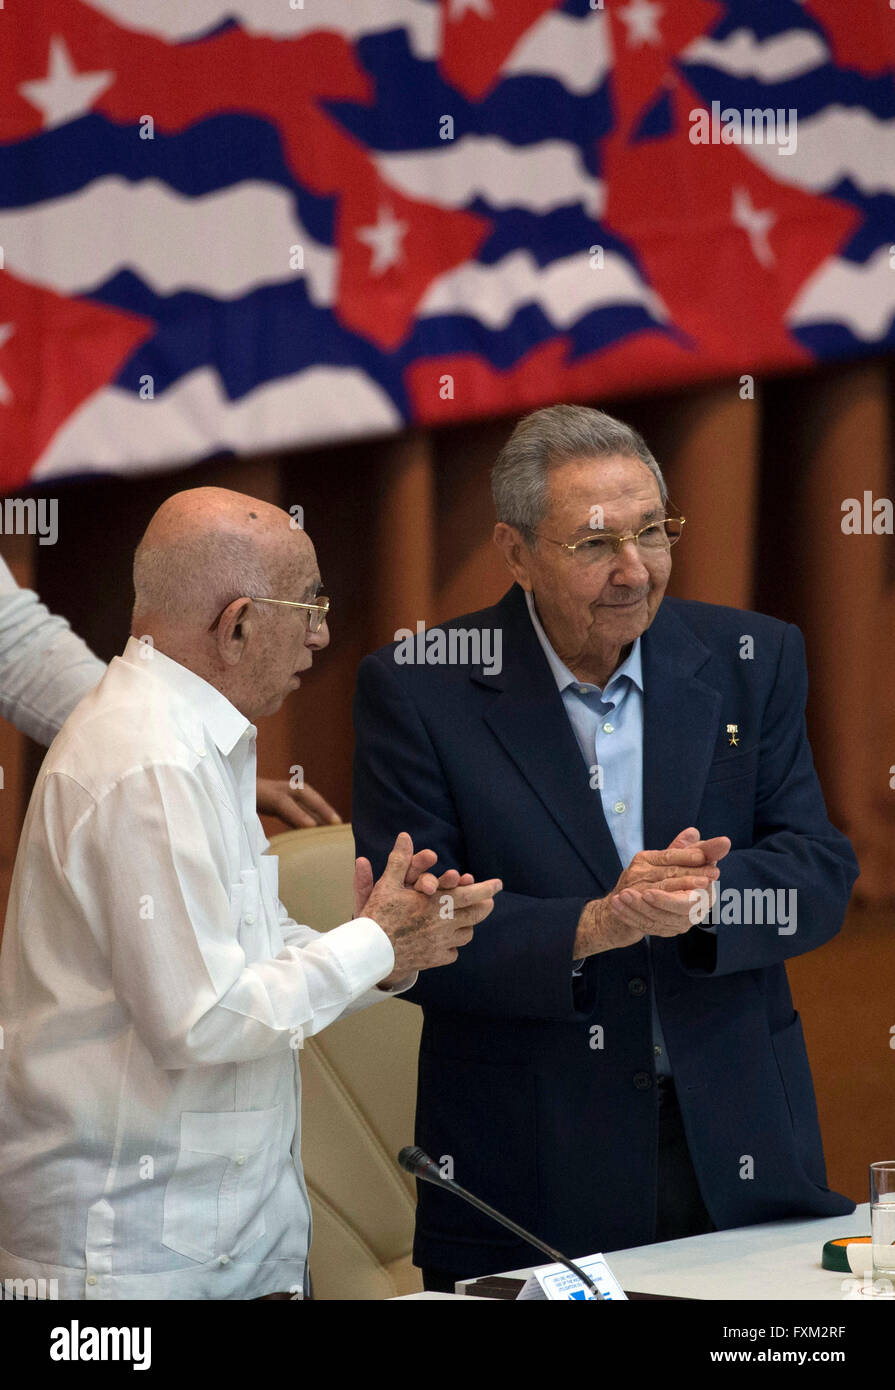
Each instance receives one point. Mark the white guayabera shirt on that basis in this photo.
(154, 994)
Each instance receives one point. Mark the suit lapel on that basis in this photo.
(680, 727)
(530, 721)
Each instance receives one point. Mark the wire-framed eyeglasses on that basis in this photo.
(318, 610)
(602, 545)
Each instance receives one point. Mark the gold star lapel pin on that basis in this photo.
(733, 730)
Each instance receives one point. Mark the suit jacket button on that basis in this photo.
(637, 986)
(642, 1080)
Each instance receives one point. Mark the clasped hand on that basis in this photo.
(427, 919)
(655, 895)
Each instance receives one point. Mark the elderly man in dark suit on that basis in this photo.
(615, 1059)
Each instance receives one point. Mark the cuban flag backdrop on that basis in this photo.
(239, 225)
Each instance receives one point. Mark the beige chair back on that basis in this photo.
(358, 1098)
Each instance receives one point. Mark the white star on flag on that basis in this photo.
(64, 94)
(384, 239)
(6, 332)
(481, 7)
(756, 223)
(642, 19)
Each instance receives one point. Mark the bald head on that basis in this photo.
(207, 546)
(206, 553)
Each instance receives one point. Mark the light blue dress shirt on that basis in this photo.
(608, 725)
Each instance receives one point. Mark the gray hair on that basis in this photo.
(198, 575)
(554, 435)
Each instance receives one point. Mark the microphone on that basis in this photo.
(416, 1161)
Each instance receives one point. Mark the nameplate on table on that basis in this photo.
(556, 1282)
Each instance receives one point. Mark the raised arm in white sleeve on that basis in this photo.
(45, 669)
(145, 865)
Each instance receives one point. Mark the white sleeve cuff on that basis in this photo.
(364, 953)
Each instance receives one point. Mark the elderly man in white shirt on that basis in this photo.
(154, 992)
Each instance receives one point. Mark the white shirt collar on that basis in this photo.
(632, 666)
(203, 703)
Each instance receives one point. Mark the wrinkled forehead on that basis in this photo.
(623, 488)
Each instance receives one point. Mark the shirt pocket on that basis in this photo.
(226, 1171)
(729, 769)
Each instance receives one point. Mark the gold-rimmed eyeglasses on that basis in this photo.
(602, 545)
(318, 610)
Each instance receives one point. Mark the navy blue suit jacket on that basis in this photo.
(538, 1118)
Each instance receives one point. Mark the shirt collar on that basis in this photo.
(631, 668)
(204, 703)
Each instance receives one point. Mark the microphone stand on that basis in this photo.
(414, 1160)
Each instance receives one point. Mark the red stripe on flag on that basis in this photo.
(54, 353)
(860, 36)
